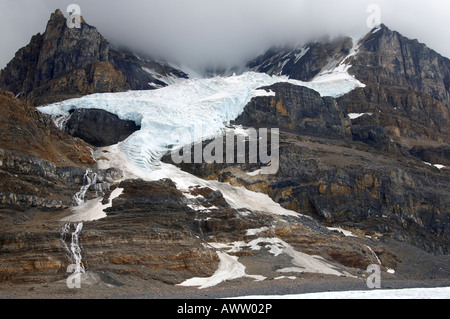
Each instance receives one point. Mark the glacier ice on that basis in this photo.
(206, 105)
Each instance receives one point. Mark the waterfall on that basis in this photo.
(61, 121)
(374, 255)
(92, 153)
(74, 248)
(87, 182)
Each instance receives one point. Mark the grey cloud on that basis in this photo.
(201, 32)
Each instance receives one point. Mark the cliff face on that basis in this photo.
(360, 179)
(406, 89)
(62, 63)
(387, 58)
(27, 131)
(297, 109)
(407, 84)
(302, 63)
(41, 167)
(65, 63)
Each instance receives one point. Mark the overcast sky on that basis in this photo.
(224, 31)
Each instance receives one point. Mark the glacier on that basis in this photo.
(204, 105)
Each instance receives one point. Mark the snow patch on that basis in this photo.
(255, 173)
(302, 263)
(345, 232)
(263, 93)
(300, 55)
(167, 79)
(354, 116)
(438, 166)
(93, 209)
(256, 231)
(229, 269)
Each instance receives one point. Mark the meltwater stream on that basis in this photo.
(70, 240)
(71, 243)
(87, 182)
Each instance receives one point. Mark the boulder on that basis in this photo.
(98, 127)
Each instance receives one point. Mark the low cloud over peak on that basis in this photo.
(219, 32)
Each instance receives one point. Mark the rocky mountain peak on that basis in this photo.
(388, 58)
(303, 62)
(65, 63)
(57, 15)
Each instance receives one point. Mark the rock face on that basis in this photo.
(65, 63)
(299, 110)
(339, 173)
(168, 237)
(40, 166)
(98, 127)
(27, 131)
(303, 63)
(407, 84)
(406, 89)
(389, 59)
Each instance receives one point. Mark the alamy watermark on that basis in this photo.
(74, 18)
(248, 146)
(374, 19)
(74, 280)
(374, 280)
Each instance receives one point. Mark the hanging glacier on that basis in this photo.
(205, 104)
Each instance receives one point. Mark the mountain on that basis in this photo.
(382, 57)
(303, 63)
(64, 63)
(406, 86)
(357, 121)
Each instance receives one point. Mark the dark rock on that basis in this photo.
(64, 63)
(98, 127)
(432, 155)
(375, 136)
(31, 182)
(27, 202)
(302, 63)
(296, 109)
(348, 182)
(149, 196)
(387, 58)
(133, 70)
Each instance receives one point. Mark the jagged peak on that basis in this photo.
(383, 27)
(58, 15)
(58, 12)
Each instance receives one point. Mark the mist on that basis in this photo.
(223, 33)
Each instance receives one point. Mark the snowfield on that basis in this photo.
(416, 293)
